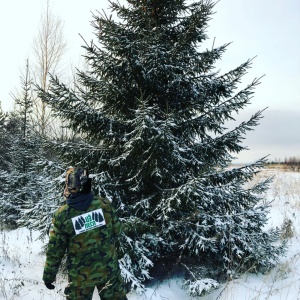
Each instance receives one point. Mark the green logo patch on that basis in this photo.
(88, 221)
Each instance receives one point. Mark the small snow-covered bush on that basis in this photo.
(199, 286)
(287, 230)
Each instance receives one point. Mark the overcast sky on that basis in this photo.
(267, 29)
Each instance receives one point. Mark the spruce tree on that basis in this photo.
(19, 152)
(36, 172)
(152, 113)
(28, 178)
(3, 140)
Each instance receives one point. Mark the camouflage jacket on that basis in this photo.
(88, 238)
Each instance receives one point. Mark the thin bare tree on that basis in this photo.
(49, 46)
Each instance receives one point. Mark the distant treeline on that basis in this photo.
(292, 162)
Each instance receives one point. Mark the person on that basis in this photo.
(86, 229)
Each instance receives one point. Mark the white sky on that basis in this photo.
(268, 29)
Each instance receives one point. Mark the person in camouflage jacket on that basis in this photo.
(85, 229)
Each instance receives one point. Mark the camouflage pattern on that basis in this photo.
(91, 255)
(76, 180)
(110, 290)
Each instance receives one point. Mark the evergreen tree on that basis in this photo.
(3, 140)
(27, 177)
(13, 178)
(39, 179)
(4, 160)
(152, 111)
(19, 152)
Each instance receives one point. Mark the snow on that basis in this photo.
(22, 259)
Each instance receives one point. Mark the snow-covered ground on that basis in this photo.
(21, 260)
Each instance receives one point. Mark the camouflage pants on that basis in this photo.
(114, 289)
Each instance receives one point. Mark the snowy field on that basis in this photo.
(22, 259)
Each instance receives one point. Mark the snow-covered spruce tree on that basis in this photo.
(4, 160)
(10, 177)
(3, 140)
(153, 112)
(27, 177)
(20, 154)
(36, 172)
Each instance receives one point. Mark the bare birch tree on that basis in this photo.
(48, 47)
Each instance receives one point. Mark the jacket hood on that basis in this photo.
(80, 201)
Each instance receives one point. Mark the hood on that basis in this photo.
(80, 201)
